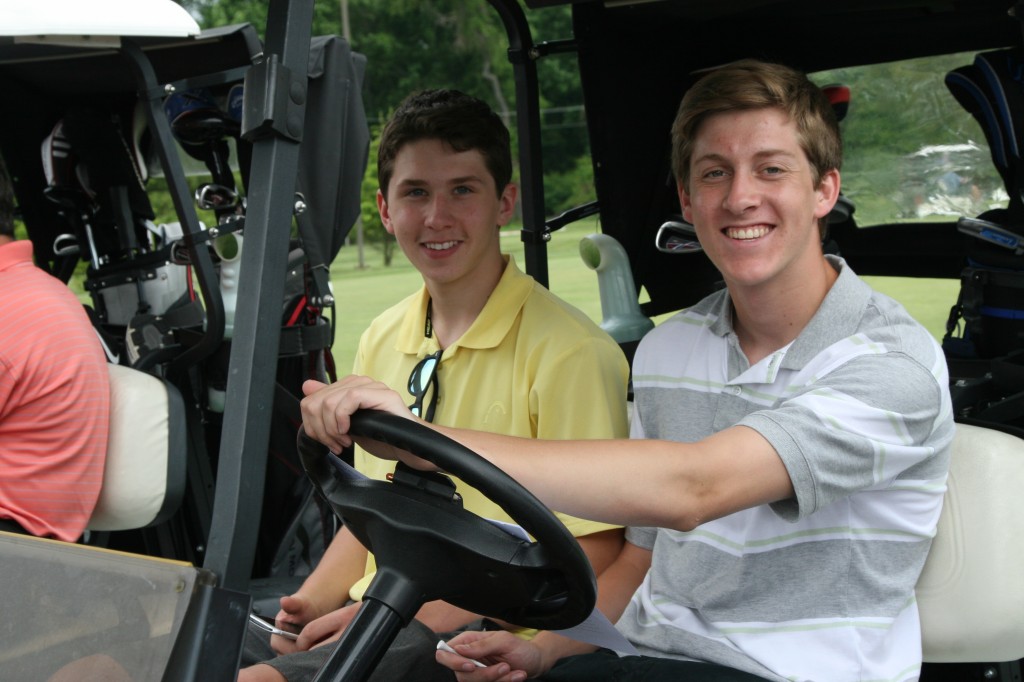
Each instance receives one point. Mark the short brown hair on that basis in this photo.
(460, 121)
(748, 85)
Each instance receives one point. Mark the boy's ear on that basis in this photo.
(828, 193)
(507, 202)
(684, 202)
(385, 215)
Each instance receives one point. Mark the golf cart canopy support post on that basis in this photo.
(522, 55)
(252, 368)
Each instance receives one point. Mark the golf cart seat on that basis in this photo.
(971, 592)
(144, 476)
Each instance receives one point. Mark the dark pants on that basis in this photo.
(607, 666)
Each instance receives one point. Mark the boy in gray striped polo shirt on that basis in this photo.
(793, 434)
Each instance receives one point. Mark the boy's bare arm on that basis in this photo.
(635, 482)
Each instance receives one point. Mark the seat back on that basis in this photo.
(144, 476)
(971, 592)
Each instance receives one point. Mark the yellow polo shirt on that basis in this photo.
(531, 365)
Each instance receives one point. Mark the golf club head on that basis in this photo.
(677, 236)
(66, 245)
(213, 197)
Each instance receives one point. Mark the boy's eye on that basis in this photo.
(463, 189)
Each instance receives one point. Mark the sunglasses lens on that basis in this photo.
(424, 374)
(421, 375)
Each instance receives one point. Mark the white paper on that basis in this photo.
(599, 631)
(512, 529)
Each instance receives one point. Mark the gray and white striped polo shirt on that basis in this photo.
(820, 587)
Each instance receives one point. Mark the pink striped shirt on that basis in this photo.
(54, 401)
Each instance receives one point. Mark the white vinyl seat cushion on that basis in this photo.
(144, 473)
(971, 592)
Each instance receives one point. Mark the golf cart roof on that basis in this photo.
(810, 35)
(90, 23)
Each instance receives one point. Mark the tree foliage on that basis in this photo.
(373, 228)
(897, 111)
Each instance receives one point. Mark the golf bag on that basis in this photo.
(984, 337)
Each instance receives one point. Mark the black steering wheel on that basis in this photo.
(428, 547)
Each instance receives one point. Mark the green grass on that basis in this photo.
(927, 300)
(363, 293)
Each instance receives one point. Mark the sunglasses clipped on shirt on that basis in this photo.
(422, 378)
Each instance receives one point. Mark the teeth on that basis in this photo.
(439, 246)
(747, 232)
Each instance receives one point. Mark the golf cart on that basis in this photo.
(635, 61)
(210, 328)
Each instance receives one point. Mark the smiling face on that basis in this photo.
(753, 200)
(444, 209)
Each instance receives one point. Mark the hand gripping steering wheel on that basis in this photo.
(428, 547)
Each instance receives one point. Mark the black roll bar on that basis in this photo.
(522, 53)
(151, 94)
(274, 109)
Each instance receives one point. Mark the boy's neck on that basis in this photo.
(768, 319)
(453, 310)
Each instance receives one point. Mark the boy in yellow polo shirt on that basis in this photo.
(480, 344)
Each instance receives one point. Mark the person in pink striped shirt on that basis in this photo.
(54, 395)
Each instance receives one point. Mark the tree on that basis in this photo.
(373, 228)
